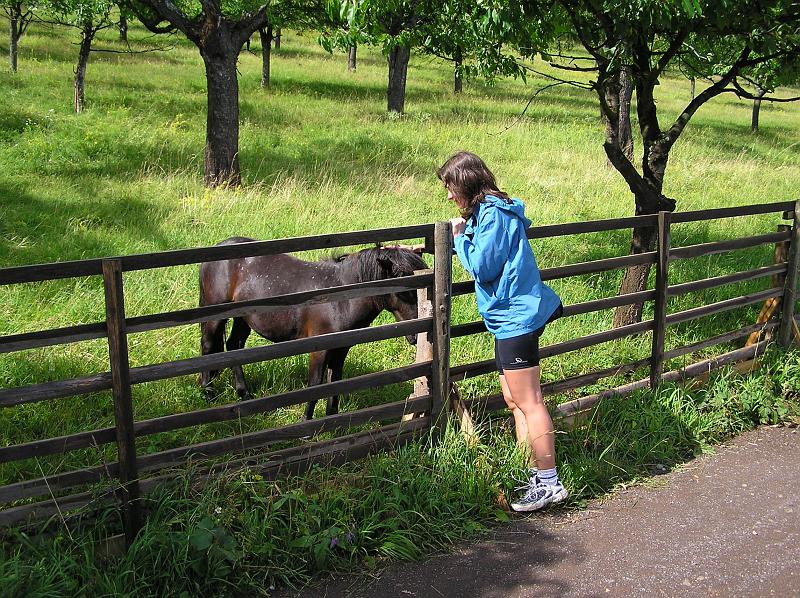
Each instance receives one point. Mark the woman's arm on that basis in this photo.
(485, 255)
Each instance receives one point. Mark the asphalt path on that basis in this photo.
(725, 524)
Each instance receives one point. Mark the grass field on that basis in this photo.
(319, 154)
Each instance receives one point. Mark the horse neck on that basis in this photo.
(365, 309)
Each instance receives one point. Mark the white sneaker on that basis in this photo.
(539, 495)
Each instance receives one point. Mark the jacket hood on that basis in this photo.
(516, 207)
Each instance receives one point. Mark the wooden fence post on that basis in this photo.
(422, 386)
(660, 311)
(790, 287)
(123, 404)
(442, 295)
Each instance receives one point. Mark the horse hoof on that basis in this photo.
(245, 396)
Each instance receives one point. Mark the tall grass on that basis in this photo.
(243, 535)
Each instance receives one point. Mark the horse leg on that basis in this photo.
(317, 364)
(212, 340)
(335, 369)
(238, 337)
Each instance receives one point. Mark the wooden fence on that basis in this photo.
(135, 474)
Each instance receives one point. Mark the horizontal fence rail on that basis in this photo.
(183, 257)
(219, 311)
(431, 402)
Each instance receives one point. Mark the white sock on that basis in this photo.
(549, 476)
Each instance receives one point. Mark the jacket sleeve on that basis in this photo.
(485, 255)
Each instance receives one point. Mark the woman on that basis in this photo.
(490, 241)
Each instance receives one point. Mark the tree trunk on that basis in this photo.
(458, 83)
(693, 82)
(222, 125)
(266, 45)
(351, 59)
(635, 277)
(756, 109)
(87, 36)
(619, 92)
(625, 94)
(398, 68)
(123, 27)
(278, 38)
(14, 29)
(643, 238)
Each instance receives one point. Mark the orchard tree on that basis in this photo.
(764, 80)
(219, 29)
(478, 37)
(648, 37)
(88, 17)
(705, 58)
(341, 28)
(20, 15)
(396, 26)
(300, 14)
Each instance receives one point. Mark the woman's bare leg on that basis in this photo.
(520, 425)
(526, 394)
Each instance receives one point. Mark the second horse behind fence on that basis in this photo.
(258, 277)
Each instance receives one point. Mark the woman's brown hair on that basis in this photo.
(470, 180)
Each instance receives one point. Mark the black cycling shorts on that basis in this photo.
(520, 352)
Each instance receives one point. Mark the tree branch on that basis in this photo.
(251, 23)
(170, 13)
(717, 88)
(578, 69)
(743, 93)
(530, 101)
(672, 50)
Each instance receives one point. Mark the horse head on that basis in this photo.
(393, 262)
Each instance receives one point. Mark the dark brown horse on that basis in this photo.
(266, 276)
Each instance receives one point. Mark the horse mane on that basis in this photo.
(367, 262)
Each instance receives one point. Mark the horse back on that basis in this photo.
(257, 277)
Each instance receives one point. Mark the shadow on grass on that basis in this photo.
(35, 230)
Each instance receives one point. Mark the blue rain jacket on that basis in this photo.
(512, 298)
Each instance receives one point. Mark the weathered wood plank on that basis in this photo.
(352, 446)
(592, 267)
(55, 336)
(718, 281)
(181, 257)
(718, 339)
(279, 302)
(496, 401)
(470, 370)
(442, 300)
(660, 307)
(127, 471)
(82, 332)
(721, 306)
(60, 481)
(696, 369)
(590, 226)
(715, 213)
(64, 388)
(596, 266)
(703, 249)
(790, 284)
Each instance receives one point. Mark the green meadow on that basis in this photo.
(319, 154)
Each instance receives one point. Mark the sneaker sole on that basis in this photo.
(556, 498)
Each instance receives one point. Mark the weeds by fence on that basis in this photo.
(131, 470)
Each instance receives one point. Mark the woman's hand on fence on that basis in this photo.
(459, 224)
